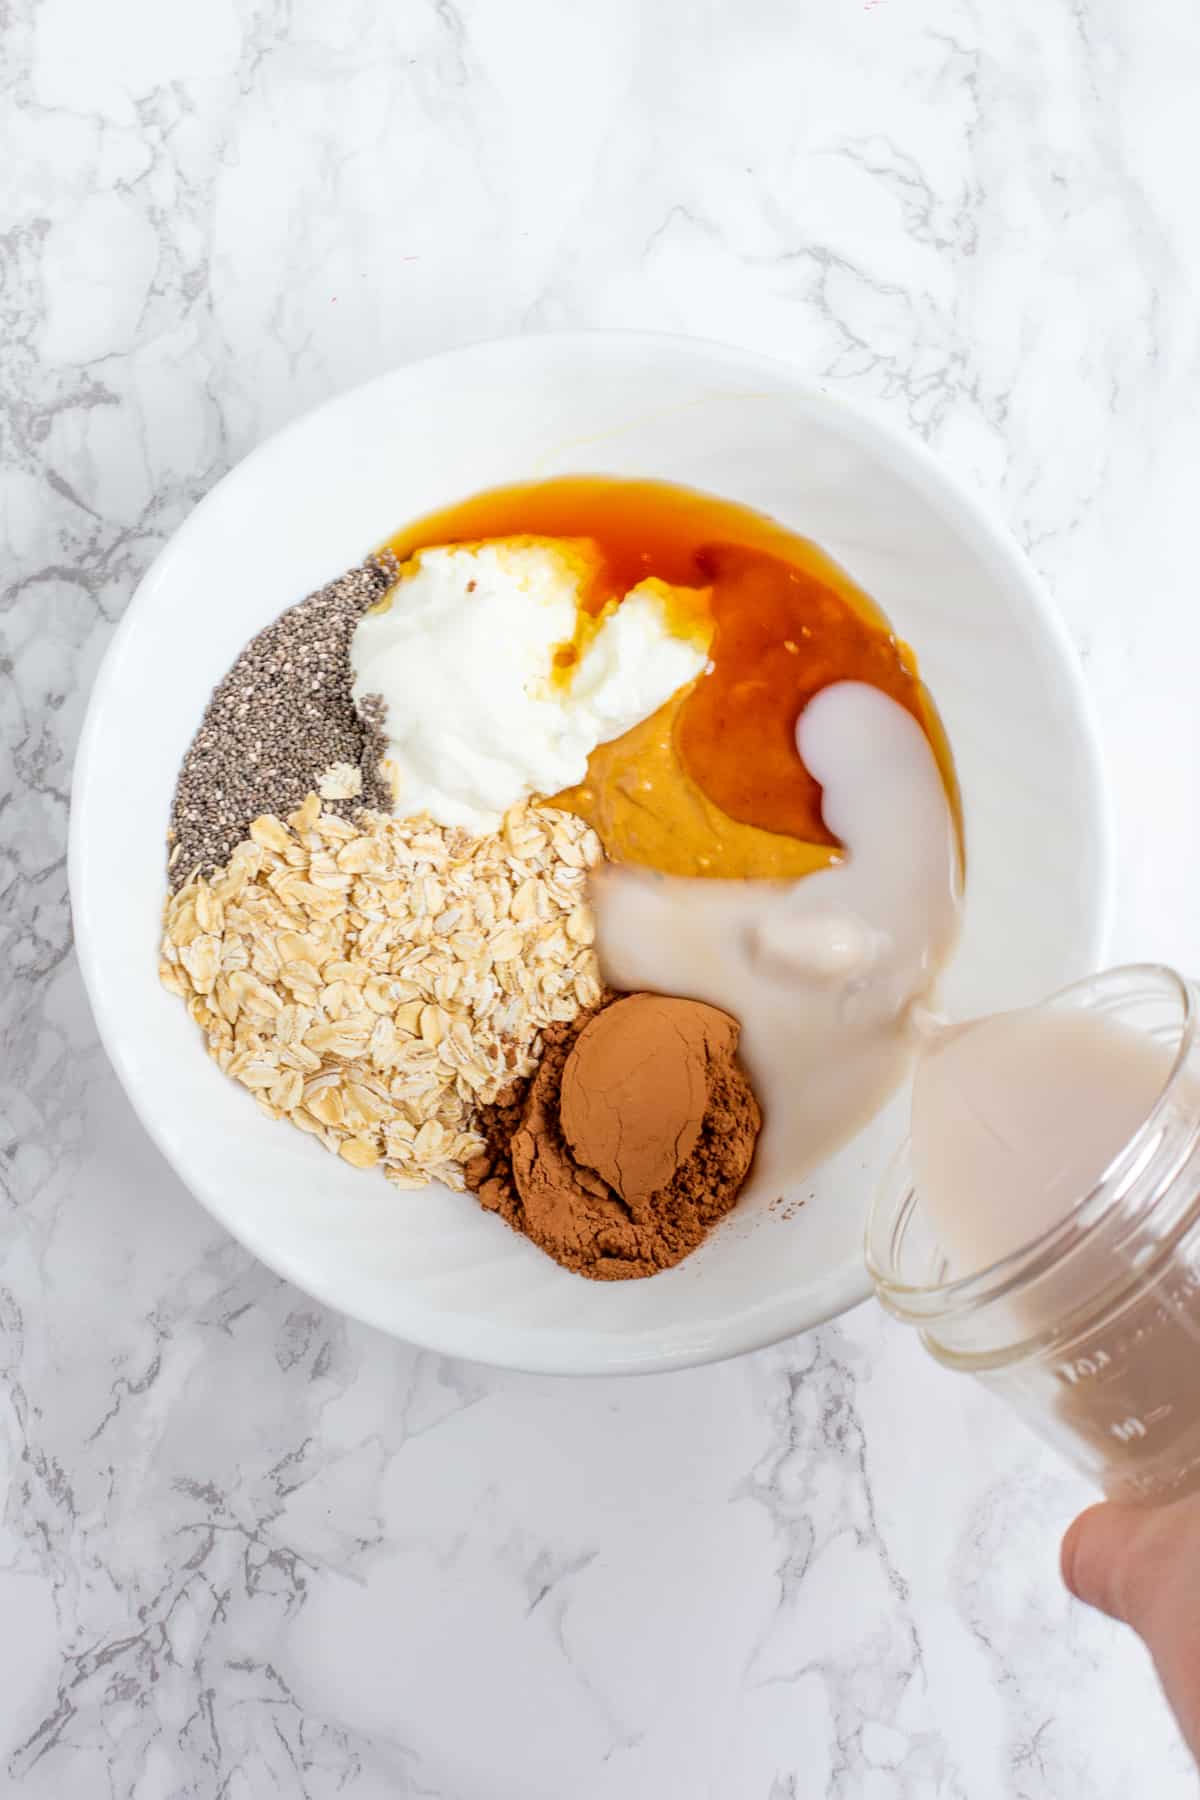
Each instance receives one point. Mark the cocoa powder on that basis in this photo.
(530, 1175)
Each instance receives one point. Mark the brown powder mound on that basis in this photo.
(635, 1089)
(629, 1142)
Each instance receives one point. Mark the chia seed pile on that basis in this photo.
(281, 717)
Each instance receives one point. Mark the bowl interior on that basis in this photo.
(431, 1266)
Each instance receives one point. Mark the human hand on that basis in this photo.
(1142, 1566)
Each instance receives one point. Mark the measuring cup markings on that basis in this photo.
(1109, 1361)
(1132, 1426)
(1083, 1368)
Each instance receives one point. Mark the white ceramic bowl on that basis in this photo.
(432, 1267)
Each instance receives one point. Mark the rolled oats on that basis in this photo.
(376, 983)
(340, 781)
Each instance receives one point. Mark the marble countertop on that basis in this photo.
(249, 1549)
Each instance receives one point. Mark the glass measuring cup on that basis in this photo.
(1092, 1330)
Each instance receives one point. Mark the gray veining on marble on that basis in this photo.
(249, 1549)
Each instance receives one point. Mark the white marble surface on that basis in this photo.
(248, 1550)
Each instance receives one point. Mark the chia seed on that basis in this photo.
(277, 721)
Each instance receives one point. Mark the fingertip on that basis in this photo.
(1072, 1545)
(1095, 1554)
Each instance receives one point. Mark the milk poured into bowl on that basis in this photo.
(821, 972)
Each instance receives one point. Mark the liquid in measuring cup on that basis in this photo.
(1055, 1156)
(1016, 1117)
(1125, 1400)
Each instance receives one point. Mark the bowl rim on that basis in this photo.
(510, 1347)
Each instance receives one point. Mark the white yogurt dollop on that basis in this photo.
(463, 657)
